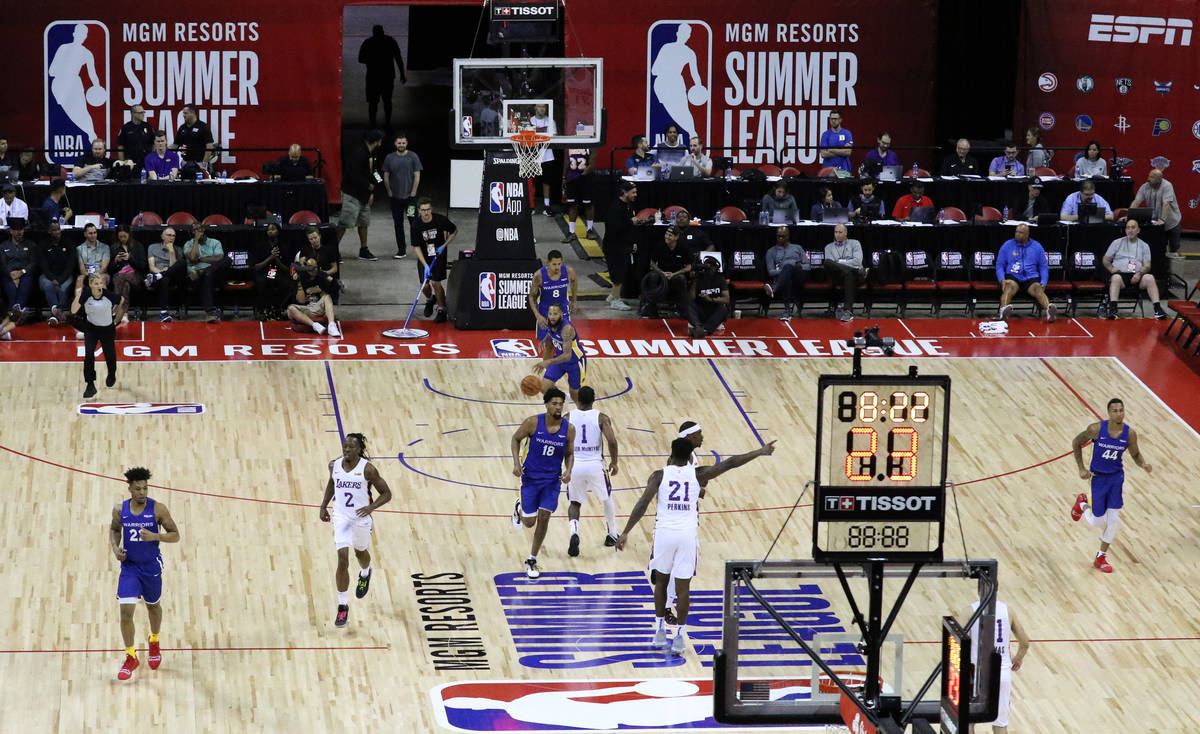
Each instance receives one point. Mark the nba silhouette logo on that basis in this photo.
(467, 126)
(679, 78)
(496, 197)
(487, 291)
(76, 87)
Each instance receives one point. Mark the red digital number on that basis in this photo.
(895, 459)
(952, 682)
(866, 468)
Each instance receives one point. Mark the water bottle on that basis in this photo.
(717, 217)
(70, 176)
(762, 217)
(144, 176)
(139, 221)
(915, 170)
(579, 128)
(224, 173)
(199, 175)
(108, 222)
(1006, 214)
(729, 172)
(941, 215)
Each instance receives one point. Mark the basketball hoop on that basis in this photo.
(529, 147)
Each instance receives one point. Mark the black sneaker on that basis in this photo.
(365, 254)
(1159, 313)
(400, 256)
(343, 615)
(573, 548)
(164, 316)
(90, 392)
(531, 568)
(110, 380)
(441, 316)
(428, 308)
(546, 212)
(364, 583)
(1112, 311)
(592, 235)
(610, 541)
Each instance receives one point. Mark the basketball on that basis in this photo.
(697, 95)
(96, 96)
(531, 385)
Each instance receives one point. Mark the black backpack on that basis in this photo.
(891, 267)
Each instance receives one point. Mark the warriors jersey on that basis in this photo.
(554, 290)
(560, 345)
(350, 488)
(1108, 452)
(140, 554)
(544, 453)
(678, 499)
(587, 436)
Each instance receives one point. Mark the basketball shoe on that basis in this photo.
(531, 568)
(1079, 506)
(573, 548)
(610, 541)
(516, 516)
(154, 658)
(364, 583)
(127, 669)
(678, 643)
(660, 638)
(343, 615)
(1102, 563)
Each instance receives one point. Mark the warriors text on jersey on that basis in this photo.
(560, 346)
(678, 499)
(1107, 452)
(544, 453)
(554, 290)
(350, 488)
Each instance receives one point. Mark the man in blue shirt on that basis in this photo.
(836, 143)
(1007, 164)
(1022, 267)
(641, 158)
(1085, 195)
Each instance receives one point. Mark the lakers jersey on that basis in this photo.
(1003, 636)
(587, 436)
(350, 488)
(577, 163)
(678, 499)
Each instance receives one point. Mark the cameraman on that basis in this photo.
(709, 306)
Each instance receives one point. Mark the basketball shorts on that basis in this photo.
(588, 476)
(675, 552)
(579, 190)
(576, 372)
(1005, 697)
(313, 310)
(137, 583)
(1106, 492)
(351, 530)
(539, 493)
(1022, 285)
(438, 274)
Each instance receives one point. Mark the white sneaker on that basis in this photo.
(334, 330)
(1051, 313)
(516, 515)
(619, 305)
(318, 327)
(1003, 315)
(678, 643)
(660, 638)
(124, 319)
(79, 335)
(6, 336)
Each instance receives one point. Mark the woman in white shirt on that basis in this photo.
(1091, 164)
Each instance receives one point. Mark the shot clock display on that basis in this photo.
(887, 436)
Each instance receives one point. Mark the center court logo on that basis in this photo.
(679, 78)
(76, 87)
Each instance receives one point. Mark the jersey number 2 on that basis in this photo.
(349, 499)
(674, 495)
(135, 535)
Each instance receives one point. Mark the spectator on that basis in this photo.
(618, 241)
(94, 165)
(167, 270)
(18, 257)
(1022, 267)
(401, 178)
(381, 55)
(824, 201)
(1127, 259)
(671, 149)
(293, 167)
(314, 299)
(1007, 164)
(160, 163)
(29, 169)
(11, 206)
(272, 283)
(962, 163)
(127, 266)
(53, 203)
(916, 198)
(328, 259)
(787, 265)
(358, 186)
(1085, 195)
(1038, 156)
(577, 189)
(779, 200)
(1090, 163)
(98, 310)
(206, 267)
(1158, 195)
(882, 154)
(674, 263)
(843, 260)
(708, 306)
(543, 124)
(836, 143)
(695, 157)
(56, 263)
(641, 158)
(194, 138)
(691, 237)
(6, 157)
(865, 204)
(1035, 203)
(136, 137)
(93, 257)
(431, 238)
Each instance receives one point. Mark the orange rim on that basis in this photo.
(529, 138)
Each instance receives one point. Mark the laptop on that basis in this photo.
(1047, 220)
(83, 220)
(891, 173)
(681, 173)
(1090, 214)
(923, 214)
(835, 215)
(646, 173)
(780, 216)
(1143, 215)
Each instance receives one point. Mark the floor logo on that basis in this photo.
(76, 87)
(514, 348)
(1047, 82)
(679, 77)
(141, 409)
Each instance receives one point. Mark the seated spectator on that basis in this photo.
(53, 203)
(1128, 261)
(962, 163)
(674, 262)
(1007, 164)
(56, 263)
(11, 206)
(127, 265)
(206, 267)
(1158, 195)
(92, 257)
(691, 237)
(1037, 156)
(709, 304)
(1035, 203)
(93, 165)
(817, 212)
(882, 154)
(6, 156)
(787, 266)
(1090, 163)
(912, 200)
(695, 157)
(272, 284)
(641, 157)
(671, 148)
(843, 260)
(865, 204)
(18, 257)
(779, 200)
(1085, 195)
(29, 169)
(328, 259)
(293, 166)
(314, 299)
(160, 163)
(1022, 267)
(167, 270)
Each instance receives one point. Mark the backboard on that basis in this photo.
(494, 98)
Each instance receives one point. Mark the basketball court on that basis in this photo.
(452, 635)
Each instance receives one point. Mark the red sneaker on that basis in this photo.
(154, 659)
(127, 669)
(1077, 508)
(1101, 563)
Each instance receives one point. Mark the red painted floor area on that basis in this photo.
(1138, 343)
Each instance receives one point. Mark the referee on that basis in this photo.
(96, 312)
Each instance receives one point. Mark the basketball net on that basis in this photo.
(529, 147)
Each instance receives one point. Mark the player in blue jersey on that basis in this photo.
(134, 536)
(553, 283)
(546, 465)
(1111, 439)
(561, 354)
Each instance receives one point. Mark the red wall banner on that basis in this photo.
(762, 74)
(1123, 76)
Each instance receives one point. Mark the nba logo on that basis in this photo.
(679, 78)
(76, 87)
(467, 126)
(487, 291)
(496, 197)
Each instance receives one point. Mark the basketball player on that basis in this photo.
(578, 187)
(351, 479)
(568, 357)
(692, 432)
(1111, 438)
(548, 460)
(553, 283)
(134, 536)
(1006, 626)
(676, 526)
(589, 474)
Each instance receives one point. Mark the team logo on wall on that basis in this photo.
(1193, 203)
(1121, 124)
(1161, 125)
(1085, 84)
(679, 78)
(1124, 84)
(1196, 129)
(76, 87)
(1047, 82)
(1162, 87)
(1046, 121)
(1083, 123)
(1160, 162)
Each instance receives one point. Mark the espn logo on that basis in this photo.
(879, 503)
(487, 291)
(1138, 29)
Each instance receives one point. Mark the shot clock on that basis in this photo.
(881, 467)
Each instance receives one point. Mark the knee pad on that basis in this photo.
(1112, 525)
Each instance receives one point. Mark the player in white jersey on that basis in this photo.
(676, 530)
(589, 474)
(1006, 627)
(351, 479)
(692, 431)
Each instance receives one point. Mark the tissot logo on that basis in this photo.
(540, 11)
(879, 503)
(1139, 29)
